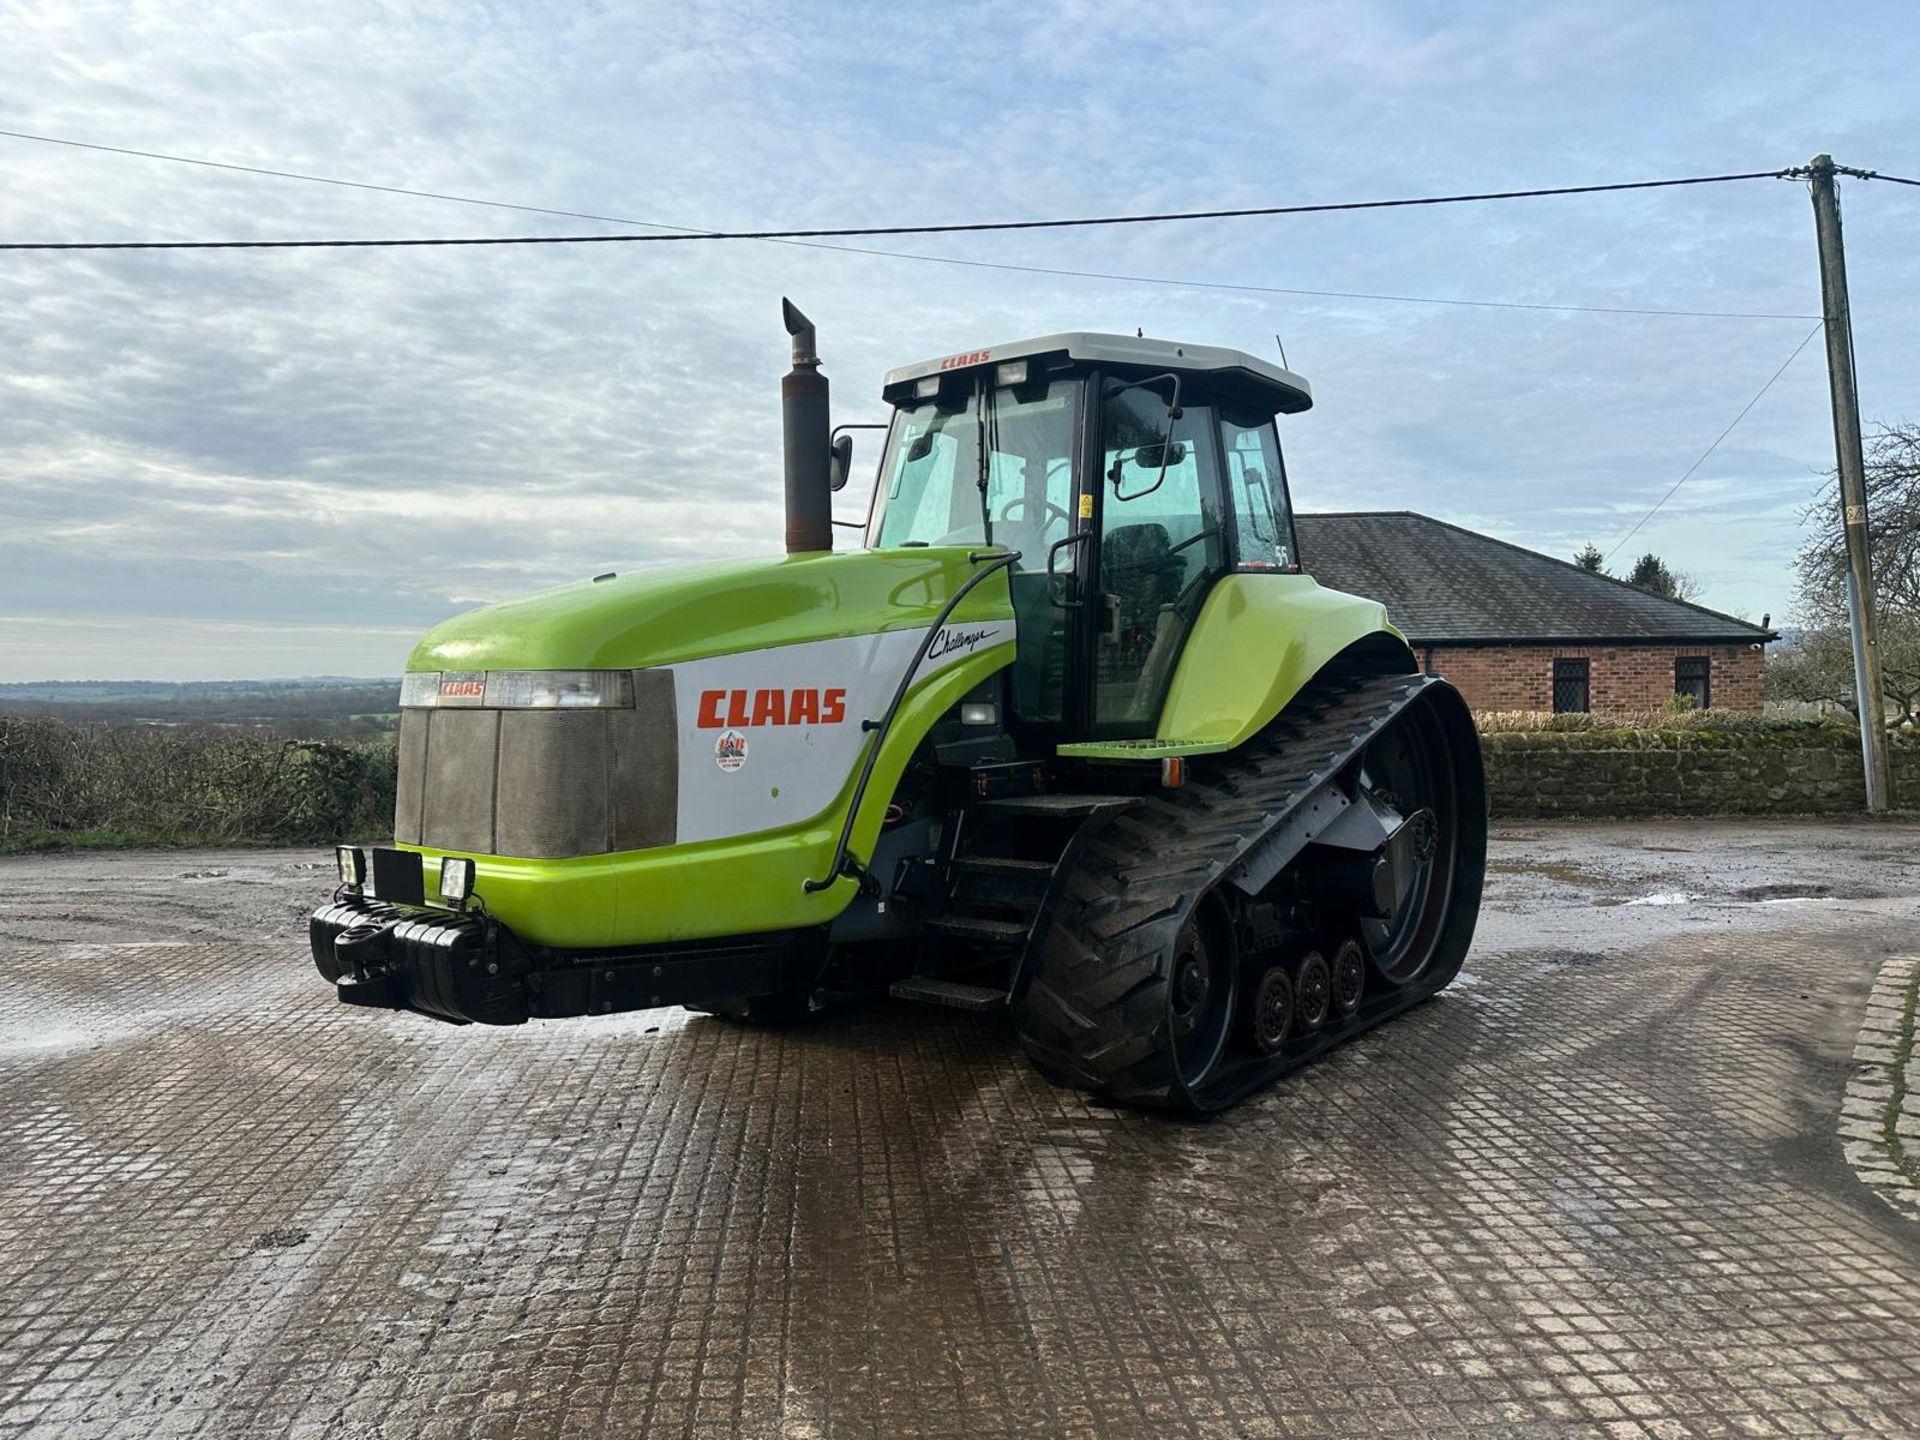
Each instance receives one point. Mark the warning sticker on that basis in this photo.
(1086, 506)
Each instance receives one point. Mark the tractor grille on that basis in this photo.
(541, 784)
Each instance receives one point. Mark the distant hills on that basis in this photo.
(311, 707)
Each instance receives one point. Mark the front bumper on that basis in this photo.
(465, 966)
(453, 965)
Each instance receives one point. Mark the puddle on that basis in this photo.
(1774, 894)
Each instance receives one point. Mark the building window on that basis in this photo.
(1569, 686)
(1693, 675)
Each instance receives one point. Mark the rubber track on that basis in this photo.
(1089, 1001)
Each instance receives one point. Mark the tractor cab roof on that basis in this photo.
(1254, 380)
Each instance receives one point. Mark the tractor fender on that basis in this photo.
(1258, 641)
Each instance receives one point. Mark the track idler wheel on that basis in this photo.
(1200, 996)
(1313, 991)
(1271, 1020)
(1348, 974)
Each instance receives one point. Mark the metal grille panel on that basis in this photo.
(456, 809)
(645, 766)
(542, 784)
(552, 783)
(412, 775)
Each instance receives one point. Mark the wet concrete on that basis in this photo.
(1596, 1187)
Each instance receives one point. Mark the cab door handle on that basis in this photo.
(1056, 582)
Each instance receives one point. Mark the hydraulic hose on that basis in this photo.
(996, 560)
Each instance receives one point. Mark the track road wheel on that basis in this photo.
(1270, 1017)
(1200, 996)
(1313, 991)
(1348, 973)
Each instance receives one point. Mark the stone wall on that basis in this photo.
(1619, 677)
(1783, 769)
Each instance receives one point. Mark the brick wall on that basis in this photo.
(1619, 677)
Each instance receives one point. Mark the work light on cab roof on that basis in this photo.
(1069, 731)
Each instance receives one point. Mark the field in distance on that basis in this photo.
(311, 707)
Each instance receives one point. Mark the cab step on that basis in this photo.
(982, 929)
(1055, 805)
(1002, 865)
(954, 994)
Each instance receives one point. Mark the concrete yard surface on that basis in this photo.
(1627, 1177)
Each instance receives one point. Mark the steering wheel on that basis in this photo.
(1128, 567)
(1021, 502)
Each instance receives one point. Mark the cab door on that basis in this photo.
(1159, 540)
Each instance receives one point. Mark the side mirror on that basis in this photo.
(839, 462)
(1164, 449)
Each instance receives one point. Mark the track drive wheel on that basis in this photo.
(1200, 996)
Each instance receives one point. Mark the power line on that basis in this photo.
(902, 254)
(1869, 175)
(972, 227)
(1717, 439)
(345, 184)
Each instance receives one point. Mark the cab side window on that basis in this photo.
(1257, 490)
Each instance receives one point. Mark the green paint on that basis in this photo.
(736, 886)
(689, 612)
(1257, 641)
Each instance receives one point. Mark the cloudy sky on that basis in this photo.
(283, 463)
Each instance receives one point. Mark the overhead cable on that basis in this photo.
(1717, 439)
(851, 232)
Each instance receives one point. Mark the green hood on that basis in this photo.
(686, 612)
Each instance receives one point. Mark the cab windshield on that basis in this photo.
(974, 467)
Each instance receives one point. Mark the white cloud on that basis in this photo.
(209, 451)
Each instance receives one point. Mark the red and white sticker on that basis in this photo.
(799, 707)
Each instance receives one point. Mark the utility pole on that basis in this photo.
(1853, 482)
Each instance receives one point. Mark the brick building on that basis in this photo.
(1517, 630)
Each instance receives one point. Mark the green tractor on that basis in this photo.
(1071, 733)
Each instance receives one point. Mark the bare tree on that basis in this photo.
(1819, 666)
(1893, 528)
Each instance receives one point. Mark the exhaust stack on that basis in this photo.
(806, 430)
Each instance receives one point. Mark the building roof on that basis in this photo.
(1443, 585)
(1285, 391)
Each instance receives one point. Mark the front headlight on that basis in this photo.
(456, 879)
(517, 689)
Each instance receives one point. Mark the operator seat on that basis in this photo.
(1140, 571)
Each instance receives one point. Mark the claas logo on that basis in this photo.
(737, 709)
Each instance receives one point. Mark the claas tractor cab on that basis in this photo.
(1072, 733)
